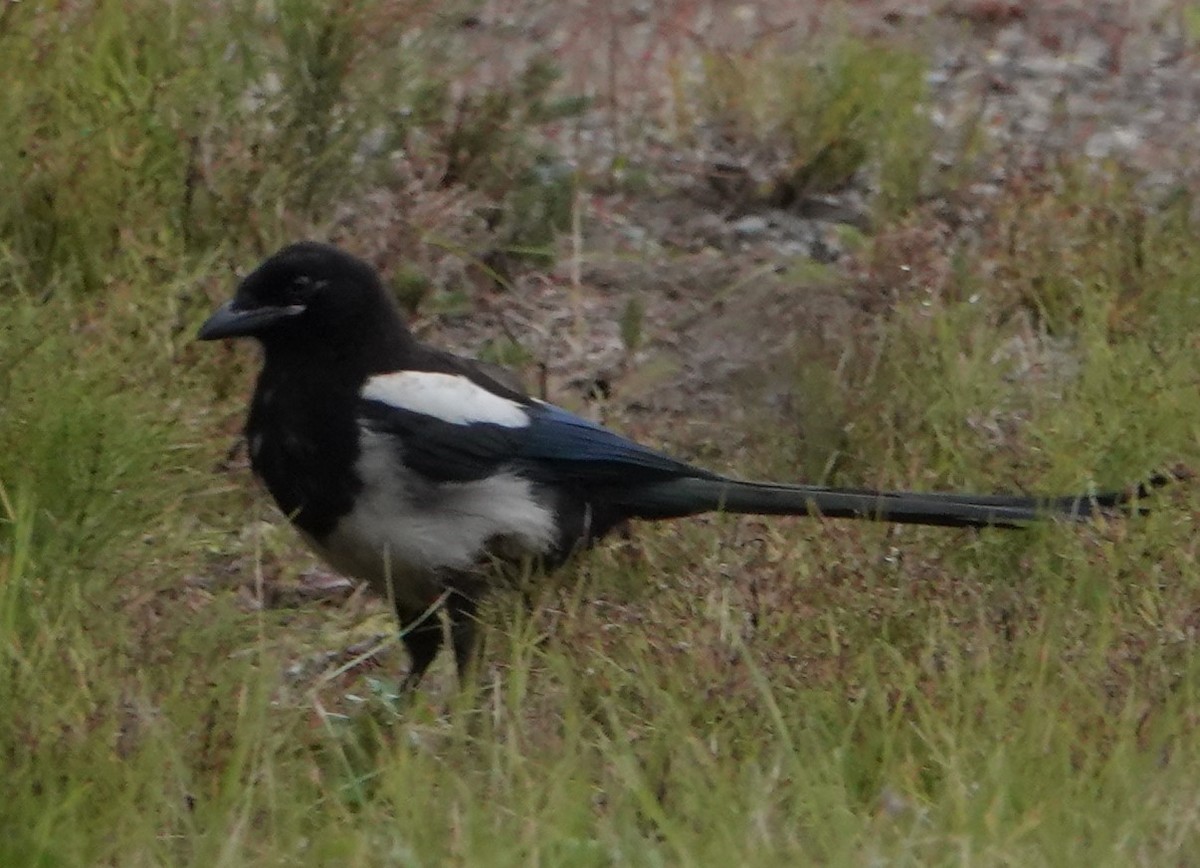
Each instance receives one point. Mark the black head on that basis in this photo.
(312, 297)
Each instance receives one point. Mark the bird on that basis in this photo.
(423, 474)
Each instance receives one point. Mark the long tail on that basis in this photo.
(692, 495)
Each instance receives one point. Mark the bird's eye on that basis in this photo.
(304, 287)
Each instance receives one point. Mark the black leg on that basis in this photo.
(461, 607)
(421, 631)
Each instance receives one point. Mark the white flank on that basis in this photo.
(403, 529)
(448, 397)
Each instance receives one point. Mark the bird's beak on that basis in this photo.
(233, 322)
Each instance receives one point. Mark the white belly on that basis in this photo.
(404, 529)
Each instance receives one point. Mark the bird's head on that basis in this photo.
(309, 295)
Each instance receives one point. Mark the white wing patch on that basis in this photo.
(449, 397)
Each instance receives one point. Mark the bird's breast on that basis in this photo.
(304, 450)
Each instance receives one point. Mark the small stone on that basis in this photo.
(750, 226)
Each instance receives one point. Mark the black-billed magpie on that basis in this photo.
(414, 470)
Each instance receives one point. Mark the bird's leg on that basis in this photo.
(461, 607)
(421, 631)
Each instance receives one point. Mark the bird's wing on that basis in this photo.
(564, 447)
(450, 428)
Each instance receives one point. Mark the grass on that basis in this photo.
(716, 691)
(817, 116)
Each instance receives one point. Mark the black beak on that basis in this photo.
(232, 322)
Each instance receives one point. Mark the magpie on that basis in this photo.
(420, 473)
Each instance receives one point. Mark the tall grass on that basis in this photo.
(155, 131)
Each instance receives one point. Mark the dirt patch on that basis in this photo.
(730, 299)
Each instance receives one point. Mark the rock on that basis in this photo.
(750, 226)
